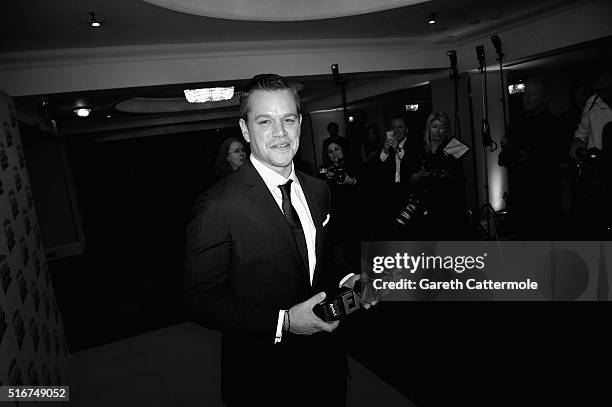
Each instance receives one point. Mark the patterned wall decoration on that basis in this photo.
(33, 348)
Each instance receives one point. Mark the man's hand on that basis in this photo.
(348, 180)
(390, 143)
(350, 283)
(303, 321)
(419, 175)
(577, 150)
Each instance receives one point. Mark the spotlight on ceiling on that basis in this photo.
(413, 107)
(433, 18)
(204, 95)
(82, 111)
(93, 21)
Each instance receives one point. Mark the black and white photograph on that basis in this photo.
(305, 203)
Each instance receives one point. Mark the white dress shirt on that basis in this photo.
(399, 154)
(595, 116)
(272, 180)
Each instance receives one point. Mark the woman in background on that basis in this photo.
(231, 157)
(345, 212)
(370, 148)
(438, 182)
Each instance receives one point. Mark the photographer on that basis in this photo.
(438, 182)
(533, 154)
(339, 174)
(590, 148)
(334, 163)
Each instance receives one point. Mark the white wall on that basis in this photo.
(28, 73)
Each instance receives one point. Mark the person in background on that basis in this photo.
(438, 182)
(395, 162)
(569, 120)
(533, 153)
(333, 131)
(596, 114)
(346, 205)
(591, 148)
(370, 147)
(231, 157)
(336, 156)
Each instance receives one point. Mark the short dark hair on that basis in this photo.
(399, 117)
(332, 124)
(266, 82)
(542, 81)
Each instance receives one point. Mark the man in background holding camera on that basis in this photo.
(597, 113)
(396, 162)
(591, 148)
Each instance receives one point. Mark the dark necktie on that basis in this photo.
(294, 222)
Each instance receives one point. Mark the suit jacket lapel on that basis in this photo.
(262, 198)
(315, 212)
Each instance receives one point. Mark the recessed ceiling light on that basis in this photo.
(93, 21)
(433, 18)
(82, 111)
(204, 95)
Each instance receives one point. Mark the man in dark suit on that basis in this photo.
(257, 264)
(395, 156)
(395, 162)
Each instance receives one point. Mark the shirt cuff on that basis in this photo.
(279, 326)
(345, 279)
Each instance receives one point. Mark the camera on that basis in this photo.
(335, 172)
(413, 210)
(434, 172)
(590, 165)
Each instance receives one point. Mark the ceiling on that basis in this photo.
(32, 26)
(280, 10)
(42, 25)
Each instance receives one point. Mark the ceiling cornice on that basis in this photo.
(61, 57)
(281, 10)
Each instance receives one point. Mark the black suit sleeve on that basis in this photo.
(208, 290)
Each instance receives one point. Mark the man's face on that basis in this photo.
(273, 128)
(535, 97)
(399, 129)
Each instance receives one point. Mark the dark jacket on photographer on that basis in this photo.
(533, 157)
(394, 193)
(344, 183)
(441, 192)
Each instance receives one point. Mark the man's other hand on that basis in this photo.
(302, 321)
(577, 150)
